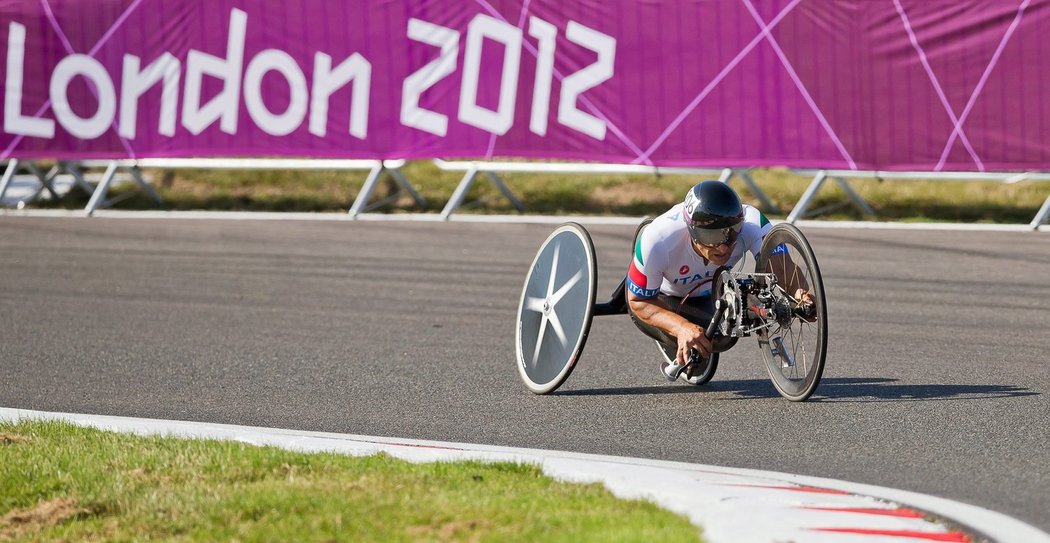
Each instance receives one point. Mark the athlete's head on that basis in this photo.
(713, 213)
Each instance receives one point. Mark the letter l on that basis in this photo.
(14, 121)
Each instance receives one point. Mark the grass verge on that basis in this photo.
(597, 194)
(63, 482)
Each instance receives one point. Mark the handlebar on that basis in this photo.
(716, 320)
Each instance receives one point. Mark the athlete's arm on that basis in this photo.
(644, 279)
(653, 312)
(789, 275)
(791, 278)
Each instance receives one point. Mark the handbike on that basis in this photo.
(558, 303)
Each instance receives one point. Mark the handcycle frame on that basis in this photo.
(746, 303)
(744, 319)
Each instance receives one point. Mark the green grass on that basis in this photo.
(67, 483)
(560, 194)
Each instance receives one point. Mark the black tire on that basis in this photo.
(795, 374)
(549, 338)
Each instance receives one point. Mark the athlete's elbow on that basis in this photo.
(642, 309)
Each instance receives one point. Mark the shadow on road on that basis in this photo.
(835, 389)
(884, 389)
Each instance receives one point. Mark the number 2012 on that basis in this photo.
(500, 121)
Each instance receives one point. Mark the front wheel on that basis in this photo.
(795, 344)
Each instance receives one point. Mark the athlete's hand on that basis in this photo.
(804, 299)
(691, 336)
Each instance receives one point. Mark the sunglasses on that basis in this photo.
(714, 237)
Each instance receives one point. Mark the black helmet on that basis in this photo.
(713, 213)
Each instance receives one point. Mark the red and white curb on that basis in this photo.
(731, 505)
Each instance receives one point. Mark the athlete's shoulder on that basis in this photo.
(755, 220)
(660, 238)
(755, 228)
(665, 228)
(753, 215)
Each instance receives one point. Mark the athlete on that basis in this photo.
(675, 258)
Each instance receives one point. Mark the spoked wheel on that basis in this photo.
(794, 347)
(556, 308)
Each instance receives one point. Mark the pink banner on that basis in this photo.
(864, 84)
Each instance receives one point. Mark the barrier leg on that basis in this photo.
(366, 190)
(460, 193)
(1040, 217)
(78, 176)
(9, 174)
(99, 196)
(136, 173)
(45, 180)
(49, 179)
(767, 204)
(402, 181)
(857, 200)
(800, 208)
(514, 201)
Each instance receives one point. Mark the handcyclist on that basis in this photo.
(675, 258)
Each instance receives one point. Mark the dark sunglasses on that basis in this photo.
(714, 237)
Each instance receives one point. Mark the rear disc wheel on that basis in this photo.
(556, 308)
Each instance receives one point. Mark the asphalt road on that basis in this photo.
(936, 380)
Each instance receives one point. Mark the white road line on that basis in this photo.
(731, 505)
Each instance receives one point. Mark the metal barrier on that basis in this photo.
(99, 192)
(821, 176)
(375, 169)
(98, 195)
(489, 169)
(45, 179)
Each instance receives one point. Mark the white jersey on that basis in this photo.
(665, 262)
